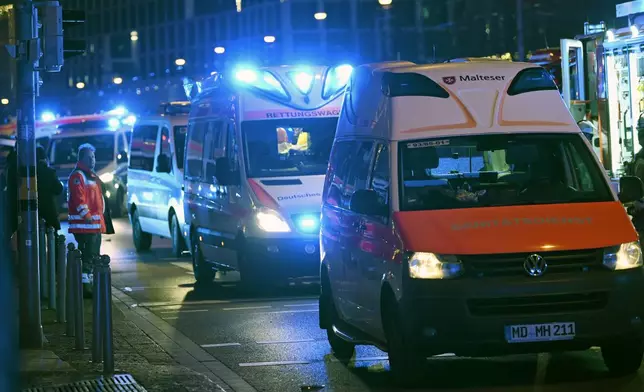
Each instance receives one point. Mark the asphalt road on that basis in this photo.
(274, 343)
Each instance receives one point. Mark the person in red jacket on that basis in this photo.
(89, 216)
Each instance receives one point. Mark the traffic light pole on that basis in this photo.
(31, 334)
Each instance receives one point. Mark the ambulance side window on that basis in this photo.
(359, 171)
(339, 165)
(213, 150)
(380, 176)
(144, 143)
(195, 151)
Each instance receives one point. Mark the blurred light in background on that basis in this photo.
(80, 85)
(220, 50)
(134, 36)
(180, 62)
(117, 80)
(320, 15)
(269, 39)
(47, 116)
(4, 101)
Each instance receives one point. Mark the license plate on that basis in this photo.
(539, 332)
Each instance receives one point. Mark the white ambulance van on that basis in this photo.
(257, 150)
(465, 213)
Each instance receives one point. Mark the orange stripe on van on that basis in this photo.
(265, 199)
(516, 229)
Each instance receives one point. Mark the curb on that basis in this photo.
(180, 347)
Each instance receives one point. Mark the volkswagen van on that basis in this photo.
(465, 213)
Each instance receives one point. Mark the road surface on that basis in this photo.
(274, 343)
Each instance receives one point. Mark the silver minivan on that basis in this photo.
(155, 178)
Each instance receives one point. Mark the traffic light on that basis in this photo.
(56, 47)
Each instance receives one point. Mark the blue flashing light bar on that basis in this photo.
(261, 80)
(337, 79)
(303, 81)
(113, 123)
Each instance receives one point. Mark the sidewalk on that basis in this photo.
(158, 361)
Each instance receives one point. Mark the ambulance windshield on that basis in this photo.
(65, 150)
(276, 148)
(499, 170)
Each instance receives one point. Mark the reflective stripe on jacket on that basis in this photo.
(86, 204)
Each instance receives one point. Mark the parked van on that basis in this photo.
(110, 136)
(464, 212)
(257, 151)
(155, 177)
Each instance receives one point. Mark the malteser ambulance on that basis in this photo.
(257, 150)
(464, 212)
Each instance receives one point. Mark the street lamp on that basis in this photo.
(320, 15)
(80, 85)
(117, 80)
(384, 2)
(134, 35)
(4, 101)
(269, 39)
(220, 50)
(180, 62)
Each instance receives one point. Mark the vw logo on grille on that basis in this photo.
(535, 265)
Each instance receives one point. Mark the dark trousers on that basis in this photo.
(90, 247)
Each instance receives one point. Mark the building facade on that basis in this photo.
(142, 48)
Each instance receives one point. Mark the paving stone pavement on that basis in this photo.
(135, 352)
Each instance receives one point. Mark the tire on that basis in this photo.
(142, 241)
(204, 274)
(120, 207)
(623, 357)
(405, 362)
(250, 278)
(342, 349)
(178, 245)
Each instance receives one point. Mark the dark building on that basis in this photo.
(142, 48)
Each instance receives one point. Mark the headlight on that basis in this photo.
(271, 221)
(107, 177)
(623, 257)
(432, 266)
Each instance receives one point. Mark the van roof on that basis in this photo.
(471, 96)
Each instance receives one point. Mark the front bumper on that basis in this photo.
(469, 317)
(284, 258)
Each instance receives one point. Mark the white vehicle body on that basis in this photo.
(273, 128)
(155, 180)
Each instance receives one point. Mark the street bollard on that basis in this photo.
(79, 313)
(97, 310)
(71, 290)
(106, 294)
(61, 281)
(51, 265)
(42, 259)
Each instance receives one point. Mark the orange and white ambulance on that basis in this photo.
(464, 212)
(257, 150)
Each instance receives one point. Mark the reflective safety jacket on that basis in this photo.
(86, 203)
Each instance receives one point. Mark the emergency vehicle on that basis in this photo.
(257, 150)
(110, 134)
(155, 177)
(464, 212)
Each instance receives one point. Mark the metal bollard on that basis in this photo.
(61, 284)
(71, 290)
(51, 265)
(79, 312)
(42, 259)
(106, 294)
(97, 310)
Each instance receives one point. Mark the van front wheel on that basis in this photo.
(623, 357)
(405, 362)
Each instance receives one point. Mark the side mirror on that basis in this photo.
(630, 189)
(225, 174)
(367, 202)
(122, 157)
(596, 142)
(163, 164)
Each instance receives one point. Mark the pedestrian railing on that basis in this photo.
(61, 281)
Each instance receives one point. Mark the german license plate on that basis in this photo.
(539, 332)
